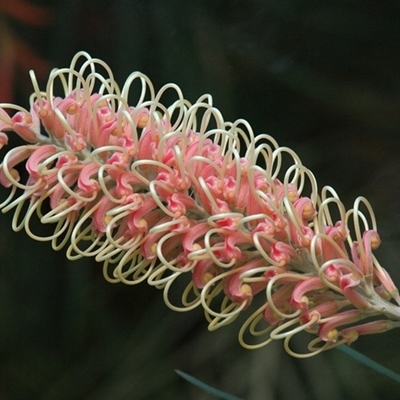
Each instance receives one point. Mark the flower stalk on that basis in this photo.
(159, 193)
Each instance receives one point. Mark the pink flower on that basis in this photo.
(155, 195)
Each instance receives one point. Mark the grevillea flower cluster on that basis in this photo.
(178, 197)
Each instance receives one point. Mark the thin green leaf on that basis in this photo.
(207, 388)
(369, 363)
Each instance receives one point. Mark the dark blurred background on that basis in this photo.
(320, 76)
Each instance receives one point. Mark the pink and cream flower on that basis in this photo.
(159, 193)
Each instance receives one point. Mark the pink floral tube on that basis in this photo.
(174, 193)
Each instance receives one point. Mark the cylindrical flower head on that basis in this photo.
(160, 192)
